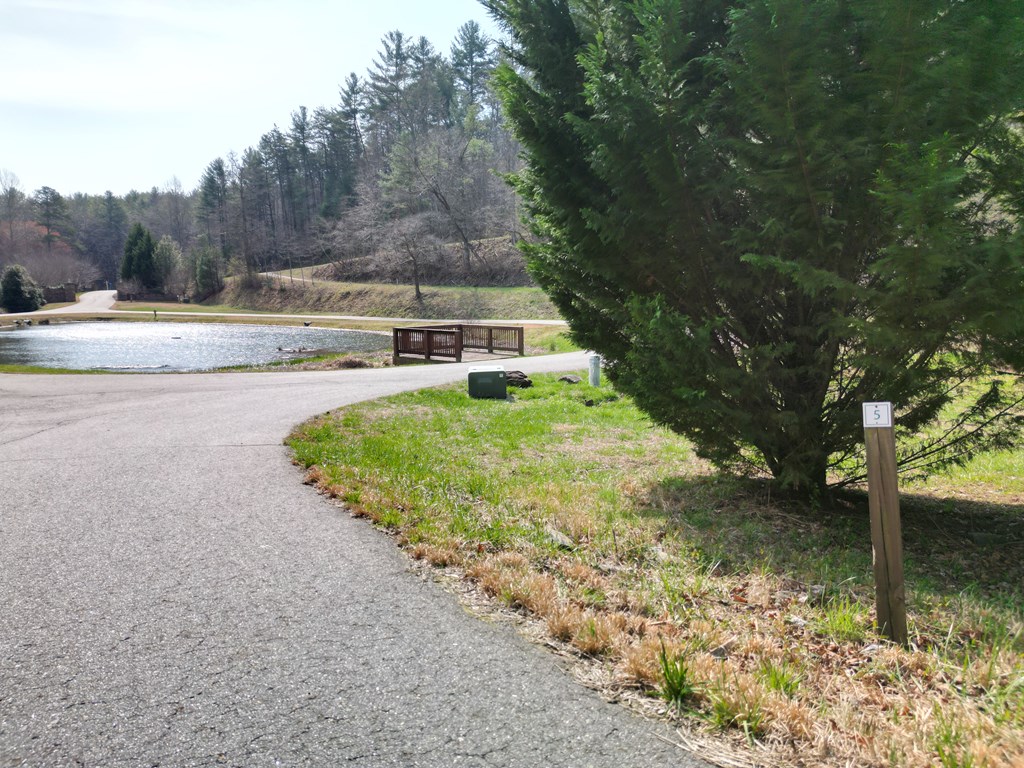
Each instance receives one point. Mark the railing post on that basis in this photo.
(521, 339)
(428, 343)
(458, 345)
(490, 340)
(395, 346)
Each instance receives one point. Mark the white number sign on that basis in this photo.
(877, 415)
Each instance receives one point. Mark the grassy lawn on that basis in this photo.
(174, 306)
(11, 368)
(232, 316)
(697, 596)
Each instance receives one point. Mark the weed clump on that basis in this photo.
(677, 686)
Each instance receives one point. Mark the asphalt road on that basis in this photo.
(88, 303)
(172, 595)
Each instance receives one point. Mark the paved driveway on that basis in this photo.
(172, 595)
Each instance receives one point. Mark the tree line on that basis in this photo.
(409, 160)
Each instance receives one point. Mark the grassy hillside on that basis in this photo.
(495, 261)
(381, 300)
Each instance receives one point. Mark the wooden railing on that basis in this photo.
(448, 342)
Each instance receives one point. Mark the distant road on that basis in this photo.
(173, 595)
(102, 302)
(88, 303)
(94, 301)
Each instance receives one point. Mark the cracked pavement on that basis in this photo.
(172, 595)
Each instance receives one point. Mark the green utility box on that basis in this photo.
(487, 381)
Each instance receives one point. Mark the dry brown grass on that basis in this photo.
(640, 664)
(384, 300)
(848, 705)
(861, 703)
(445, 556)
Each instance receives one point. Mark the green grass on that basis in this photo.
(780, 677)
(8, 368)
(636, 548)
(440, 450)
(149, 308)
(677, 686)
(843, 619)
(1003, 470)
(736, 705)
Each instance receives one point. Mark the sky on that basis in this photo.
(116, 95)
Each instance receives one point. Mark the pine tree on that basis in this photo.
(342, 143)
(473, 62)
(145, 262)
(213, 203)
(138, 262)
(103, 234)
(131, 246)
(388, 80)
(52, 215)
(764, 212)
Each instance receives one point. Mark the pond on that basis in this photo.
(158, 347)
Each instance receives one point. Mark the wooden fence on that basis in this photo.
(448, 342)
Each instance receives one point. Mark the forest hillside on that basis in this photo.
(399, 181)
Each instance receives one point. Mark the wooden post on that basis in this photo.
(886, 530)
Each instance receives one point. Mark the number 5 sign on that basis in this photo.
(877, 415)
(884, 510)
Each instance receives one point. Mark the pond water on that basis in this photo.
(173, 347)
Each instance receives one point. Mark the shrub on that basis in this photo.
(18, 291)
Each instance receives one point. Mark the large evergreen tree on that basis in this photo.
(18, 291)
(213, 203)
(472, 62)
(387, 82)
(52, 215)
(764, 212)
(139, 261)
(342, 146)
